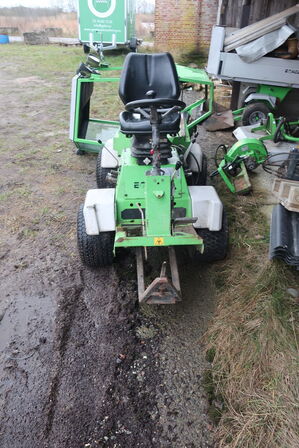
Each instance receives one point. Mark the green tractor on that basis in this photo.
(151, 179)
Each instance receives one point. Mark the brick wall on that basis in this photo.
(207, 19)
(184, 25)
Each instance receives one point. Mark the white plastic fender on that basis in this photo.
(207, 207)
(110, 157)
(261, 97)
(99, 211)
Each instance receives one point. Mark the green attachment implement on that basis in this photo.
(245, 154)
(278, 129)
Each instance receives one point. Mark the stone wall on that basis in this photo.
(54, 32)
(10, 30)
(36, 38)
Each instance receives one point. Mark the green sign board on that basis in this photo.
(99, 20)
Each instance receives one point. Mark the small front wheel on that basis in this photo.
(95, 250)
(101, 173)
(255, 113)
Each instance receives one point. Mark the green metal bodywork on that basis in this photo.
(109, 128)
(146, 206)
(105, 128)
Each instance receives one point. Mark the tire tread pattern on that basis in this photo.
(101, 173)
(95, 250)
(215, 243)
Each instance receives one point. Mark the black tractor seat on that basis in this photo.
(149, 81)
(135, 123)
(143, 73)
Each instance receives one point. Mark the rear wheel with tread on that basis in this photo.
(95, 250)
(215, 243)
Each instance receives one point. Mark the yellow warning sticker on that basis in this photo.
(159, 241)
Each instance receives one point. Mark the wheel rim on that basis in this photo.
(256, 117)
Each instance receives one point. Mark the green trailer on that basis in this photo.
(106, 21)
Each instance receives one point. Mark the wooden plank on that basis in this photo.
(262, 23)
(259, 33)
(251, 29)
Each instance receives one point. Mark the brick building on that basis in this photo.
(184, 25)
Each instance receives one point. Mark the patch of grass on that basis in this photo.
(192, 58)
(253, 339)
(20, 192)
(28, 233)
(49, 62)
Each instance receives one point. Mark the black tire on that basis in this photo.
(79, 152)
(101, 173)
(215, 243)
(95, 250)
(86, 49)
(217, 159)
(201, 177)
(255, 113)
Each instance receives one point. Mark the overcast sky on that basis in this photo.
(25, 3)
(41, 3)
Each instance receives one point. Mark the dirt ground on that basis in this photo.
(81, 364)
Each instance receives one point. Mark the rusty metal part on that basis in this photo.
(161, 290)
(242, 183)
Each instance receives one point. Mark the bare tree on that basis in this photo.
(145, 6)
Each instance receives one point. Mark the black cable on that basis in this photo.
(182, 149)
(222, 146)
(198, 167)
(267, 166)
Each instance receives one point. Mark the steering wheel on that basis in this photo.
(157, 102)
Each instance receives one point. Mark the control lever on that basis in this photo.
(178, 165)
(173, 109)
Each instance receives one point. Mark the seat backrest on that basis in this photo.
(144, 72)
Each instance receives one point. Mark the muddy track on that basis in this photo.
(97, 347)
(92, 386)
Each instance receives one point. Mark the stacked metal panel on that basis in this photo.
(284, 236)
(258, 29)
